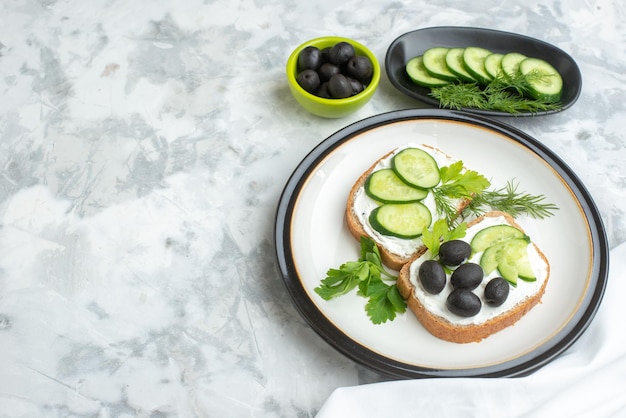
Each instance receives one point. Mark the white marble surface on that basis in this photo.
(143, 148)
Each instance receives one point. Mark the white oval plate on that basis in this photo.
(311, 237)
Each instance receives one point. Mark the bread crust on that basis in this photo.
(446, 330)
(390, 259)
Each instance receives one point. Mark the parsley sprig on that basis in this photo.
(440, 232)
(368, 275)
(456, 184)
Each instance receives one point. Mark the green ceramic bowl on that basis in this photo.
(331, 108)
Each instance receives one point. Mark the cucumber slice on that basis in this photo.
(519, 256)
(510, 257)
(544, 81)
(401, 220)
(493, 259)
(510, 63)
(474, 61)
(386, 187)
(492, 65)
(435, 64)
(489, 259)
(513, 259)
(416, 167)
(508, 272)
(417, 73)
(454, 61)
(491, 235)
(525, 270)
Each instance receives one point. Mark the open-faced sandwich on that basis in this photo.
(394, 200)
(468, 288)
(466, 267)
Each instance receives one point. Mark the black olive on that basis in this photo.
(323, 91)
(359, 67)
(432, 276)
(325, 54)
(356, 85)
(496, 291)
(467, 276)
(310, 58)
(463, 302)
(309, 80)
(340, 53)
(339, 87)
(327, 70)
(454, 252)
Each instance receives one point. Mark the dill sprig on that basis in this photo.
(508, 199)
(446, 207)
(459, 184)
(505, 95)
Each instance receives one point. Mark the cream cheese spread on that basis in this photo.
(437, 303)
(363, 205)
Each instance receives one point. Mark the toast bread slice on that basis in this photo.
(359, 225)
(450, 329)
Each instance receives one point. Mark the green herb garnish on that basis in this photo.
(456, 184)
(432, 238)
(500, 94)
(367, 274)
(507, 199)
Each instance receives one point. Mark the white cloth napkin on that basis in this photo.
(588, 380)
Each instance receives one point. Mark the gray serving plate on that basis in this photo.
(414, 43)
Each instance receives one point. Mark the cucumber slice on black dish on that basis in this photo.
(454, 61)
(435, 64)
(417, 73)
(510, 63)
(492, 65)
(474, 60)
(544, 81)
(401, 220)
(386, 187)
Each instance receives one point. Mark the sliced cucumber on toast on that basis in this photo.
(416, 167)
(385, 186)
(399, 190)
(401, 220)
(510, 258)
(489, 236)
